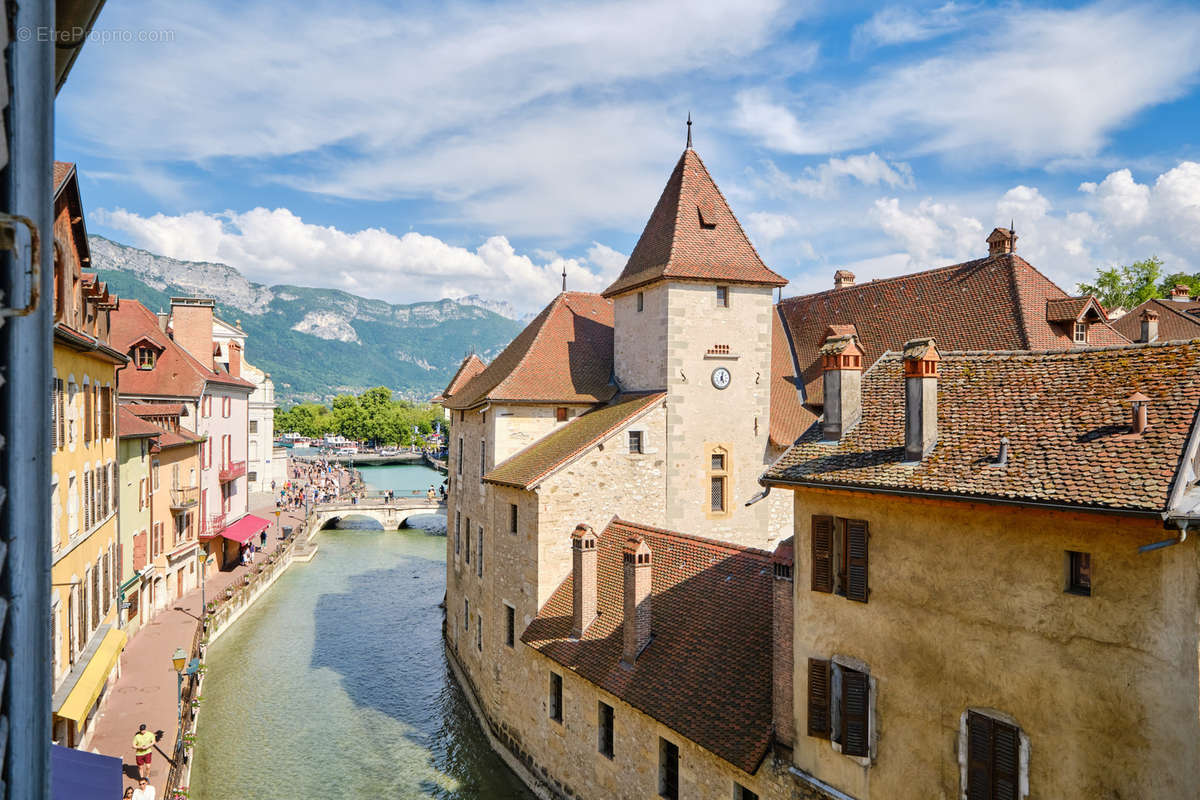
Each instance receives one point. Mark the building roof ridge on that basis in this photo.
(1046, 353)
(702, 541)
(877, 282)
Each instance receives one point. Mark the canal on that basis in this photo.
(335, 684)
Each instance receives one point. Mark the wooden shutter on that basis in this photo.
(856, 702)
(979, 756)
(822, 554)
(1006, 746)
(54, 414)
(856, 560)
(60, 398)
(818, 698)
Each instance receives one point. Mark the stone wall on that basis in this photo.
(518, 426)
(967, 609)
(639, 340)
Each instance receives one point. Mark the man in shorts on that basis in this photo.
(143, 746)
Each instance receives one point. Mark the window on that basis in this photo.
(723, 297)
(995, 760)
(467, 554)
(1079, 573)
(641, 302)
(460, 455)
(635, 442)
(482, 458)
(145, 358)
(457, 532)
(839, 706)
(1081, 332)
(560, 414)
(840, 543)
(668, 770)
(510, 625)
(479, 553)
(466, 614)
(556, 707)
(718, 481)
(604, 729)
(154, 471)
(512, 517)
(479, 633)
(253, 426)
(742, 793)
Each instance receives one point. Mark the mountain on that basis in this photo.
(501, 307)
(317, 343)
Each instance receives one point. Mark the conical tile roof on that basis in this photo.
(693, 235)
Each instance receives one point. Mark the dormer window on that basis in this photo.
(145, 358)
(1081, 333)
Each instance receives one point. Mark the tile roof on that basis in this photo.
(62, 170)
(528, 467)
(471, 366)
(693, 235)
(565, 355)
(993, 303)
(1175, 320)
(153, 409)
(1065, 415)
(175, 373)
(789, 416)
(129, 426)
(706, 673)
(179, 437)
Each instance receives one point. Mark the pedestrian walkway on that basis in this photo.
(147, 690)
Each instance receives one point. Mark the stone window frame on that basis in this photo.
(514, 518)
(741, 792)
(726, 472)
(641, 302)
(601, 739)
(1023, 751)
(510, 624)
(837, 663)
(640, 436)
(554, 698)
(722, 297)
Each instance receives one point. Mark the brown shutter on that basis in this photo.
(979, 757)
(856, 694)
(856, 561)
(62, 413)
(1006, 745)
(54, 414)
(822, 554)
(818, 698)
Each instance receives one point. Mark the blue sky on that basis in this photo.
(414, 151)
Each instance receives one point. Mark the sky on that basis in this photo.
(415, 151)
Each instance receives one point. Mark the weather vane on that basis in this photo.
(689, 126)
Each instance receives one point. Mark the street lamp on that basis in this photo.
(179, 661)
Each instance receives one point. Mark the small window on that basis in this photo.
(668, 770)
(458, 465)
(718, 493)
(723, 297)
(783, 572)
(718, 461)
(742, 793)
(510, 626)
(604, 728)
(457, 532)
(635, 442)
(718, 483)
(560, 414)
(1081, 332)
(512, 517)
(467, 554)
(641, 302)
(253, 426)
(479, 634)
(145, 358)
(466, 614)
(995, 764)
(479, 553)
(482, 459)
(840, 557)
(556, 709)
(1079, 573)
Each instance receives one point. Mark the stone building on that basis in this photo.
(995, 594)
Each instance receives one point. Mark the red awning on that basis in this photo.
(245, 529)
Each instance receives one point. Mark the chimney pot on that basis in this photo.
(1001, 241)
(583, 579)
(636, 557)
(841, 360)
(1149, 326)
(920, 398)
(1181, 293)
(1140, 405)
(843, 278)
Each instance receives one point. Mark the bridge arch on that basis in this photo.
(390, 516)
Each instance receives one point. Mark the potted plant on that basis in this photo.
(180, 793)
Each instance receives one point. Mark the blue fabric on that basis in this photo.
(78, 775)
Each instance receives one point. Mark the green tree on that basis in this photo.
(1127, 286)
(1179, 278)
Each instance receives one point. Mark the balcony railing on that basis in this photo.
(215, 527)
(185, 498)
(232, 471)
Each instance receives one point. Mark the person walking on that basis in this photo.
(262, 537)
(144, 791)
(128, 793)
(143, 747)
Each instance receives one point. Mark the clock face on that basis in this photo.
(720, 377)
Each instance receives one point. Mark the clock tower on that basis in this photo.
(692, 317)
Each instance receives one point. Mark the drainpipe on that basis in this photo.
(760, 496)
(1183, 529)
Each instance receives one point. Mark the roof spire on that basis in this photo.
(689, 126)
(564, 277)
(1012, 225)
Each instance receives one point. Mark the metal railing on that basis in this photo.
(232, 471)
(185, 497)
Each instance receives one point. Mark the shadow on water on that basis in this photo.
(382, 636)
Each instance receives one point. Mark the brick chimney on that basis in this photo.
(841, 360)
(1140, 404)
(192, 322)
(1001, 241)
(781, 643)
(583, 579)
(235, 359)
(636, 557)
(163, 319)
(1149, 326)
(1181, 293)
(843, 278)
(920, 398)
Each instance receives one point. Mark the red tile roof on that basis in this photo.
(62, 170)
(153, 409)
(130, 426)
(1073, 309)
(175, 373)
(528, 467)
(706, 673)
(471, 366)
(1065, 415)
(993, 303)
(693, 235)
(789, 416)
(565, 355)
(1174, 320)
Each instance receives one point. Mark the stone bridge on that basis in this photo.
(392, 516)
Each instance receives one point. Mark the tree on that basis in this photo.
(1127, 286)
(1179, 278)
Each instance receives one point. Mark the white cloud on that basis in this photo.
(900, 25)
(1036, 84)
(276, 246)
(823, 180)
(766, 227)
(932, 234)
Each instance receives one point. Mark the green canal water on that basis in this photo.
(335, 685)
